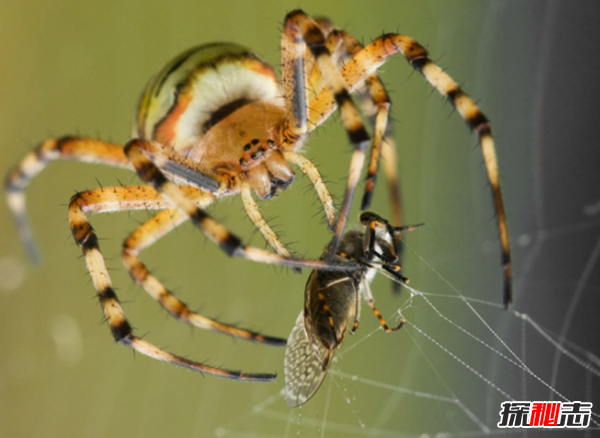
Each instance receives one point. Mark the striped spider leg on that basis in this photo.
(300, 33)
(359, 71)
(375, 104)
(146, 235)
(215, 120)
(220, 140)
(145, 197)
(366, 61)
(332, 301)
(132, 198)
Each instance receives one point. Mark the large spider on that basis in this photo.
(214, 123)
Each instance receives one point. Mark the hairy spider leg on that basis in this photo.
(377, 106)
(228, 242)
(150, 232)
(259, 222)
(313, 174)
(299, 32)
(381, 100)
(67, 148)
(373, 56)
(128, 198)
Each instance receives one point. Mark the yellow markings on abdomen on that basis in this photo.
(199, 88)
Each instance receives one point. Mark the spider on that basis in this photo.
(217, 122)
(332, 300)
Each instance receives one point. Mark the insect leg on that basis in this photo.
(369, 297)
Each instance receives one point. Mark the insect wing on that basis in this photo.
(305, 365)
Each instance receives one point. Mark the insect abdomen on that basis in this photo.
(331, 303)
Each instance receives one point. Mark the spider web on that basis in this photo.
(460, 354)
(525, 361)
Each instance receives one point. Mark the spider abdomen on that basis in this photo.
(199, 88)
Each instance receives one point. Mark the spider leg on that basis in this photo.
(67, 148)
(343, 41)
(388, 153)
(376, 105)
(373, 56)
(111, 199)
(311, 171)
(302, 31)
(146, 235)
(377, 101)
(259, 222)
(369, 297)
(341, 45)
(293, 73)
(315, 78)
(232, 245)
(296, 59)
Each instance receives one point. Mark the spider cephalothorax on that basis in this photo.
(216, 121)
(249, 143)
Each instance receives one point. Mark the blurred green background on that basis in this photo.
(77, 67)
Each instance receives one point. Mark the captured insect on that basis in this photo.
(216, 121)
(332, 301)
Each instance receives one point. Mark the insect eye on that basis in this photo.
(366, 217)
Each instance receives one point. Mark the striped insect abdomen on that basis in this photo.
(331, 299)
